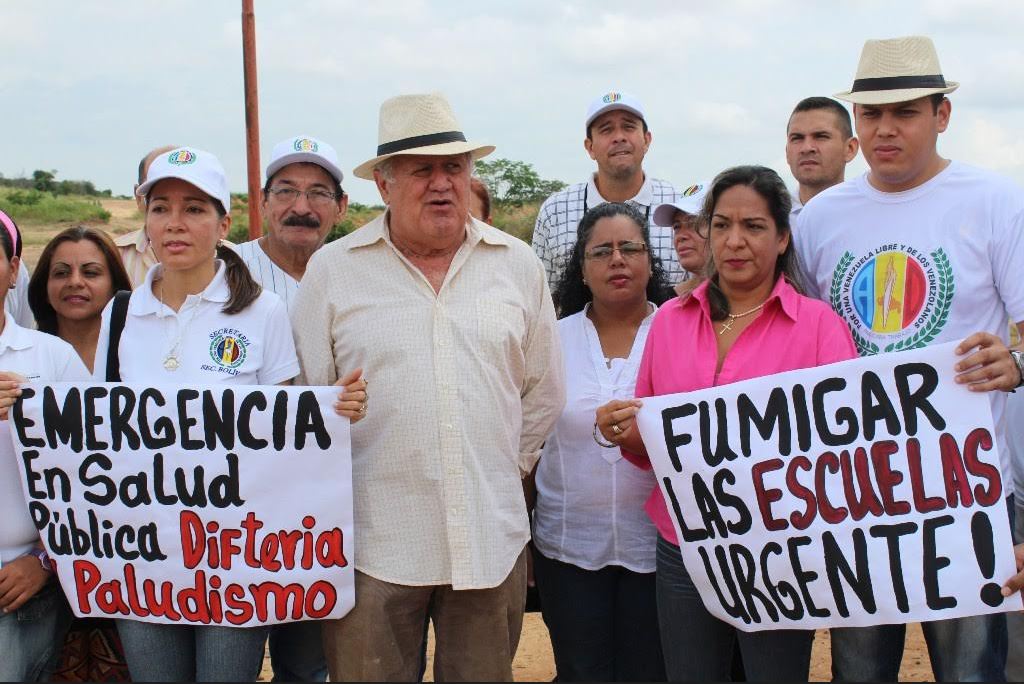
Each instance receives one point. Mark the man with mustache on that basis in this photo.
(617, 139)
(302, 200)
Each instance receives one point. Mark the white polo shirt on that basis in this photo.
(252, 347)
(39, 358)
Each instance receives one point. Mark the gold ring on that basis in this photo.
(616, 429)
(362, 409)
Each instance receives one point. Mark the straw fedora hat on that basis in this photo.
(419, 124)
(897, 70)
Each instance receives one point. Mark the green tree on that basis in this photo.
(515, 182)
(43, 180)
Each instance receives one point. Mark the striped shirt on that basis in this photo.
(559, 217)
(268, 274)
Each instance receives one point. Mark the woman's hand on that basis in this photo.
(20, 580)
(617, 422)
(989, 368)
(352, 399)
(10, 390)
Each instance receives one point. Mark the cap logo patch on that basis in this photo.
(692, 190)
(181, 157)
(611, 97)
(305, 145)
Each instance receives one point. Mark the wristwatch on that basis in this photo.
(1018, 358)
(42, 557)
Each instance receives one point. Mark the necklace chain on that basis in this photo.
(727, 326)
(171, 362)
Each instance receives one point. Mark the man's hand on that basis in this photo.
(352, 400)
(20, 580)
(989, 368)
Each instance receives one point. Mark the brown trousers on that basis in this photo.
(476, 630)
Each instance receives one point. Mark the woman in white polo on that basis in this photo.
(33, 611)
(200, 318)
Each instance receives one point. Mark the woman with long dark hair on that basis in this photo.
(594, 546)
(747, 319)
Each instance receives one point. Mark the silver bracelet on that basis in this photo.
(597, 438)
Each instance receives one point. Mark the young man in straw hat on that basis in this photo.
(453, 321)
(617, 139)
(921, 250)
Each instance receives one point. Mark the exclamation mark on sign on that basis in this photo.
(985, 552)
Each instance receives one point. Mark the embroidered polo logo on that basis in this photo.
(181, 157)
(894, 297)
(305, 145)
(228, 350)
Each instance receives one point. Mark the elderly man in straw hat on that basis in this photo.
(921, 250)
(453, 321)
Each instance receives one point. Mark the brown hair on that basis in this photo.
(479, 189)
(39, 301)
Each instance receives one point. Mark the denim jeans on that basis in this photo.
(969, 649)
(1015, 621)
(31, 637)
(186, 653)
(603, 623)
(297, 652)
(699, 647)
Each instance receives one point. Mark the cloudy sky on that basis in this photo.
(88, 87)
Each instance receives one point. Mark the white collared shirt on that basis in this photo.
(465, 385)
(268, 274)
(252, 347)
(590, 501)
(39, 358)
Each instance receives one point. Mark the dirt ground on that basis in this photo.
(534, 662)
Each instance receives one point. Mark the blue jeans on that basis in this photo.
(603, 623)
(185, 653)
(1015, 621)
(969, 649)
(699, 647)
(297, 652)
(31, 637)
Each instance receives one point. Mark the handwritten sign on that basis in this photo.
(860, 493)
(189, 505)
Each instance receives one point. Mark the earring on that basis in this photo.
(220, 243)
(584, 281)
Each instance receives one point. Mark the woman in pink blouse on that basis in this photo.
(747, 320)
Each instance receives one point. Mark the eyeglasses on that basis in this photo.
(628, 250)
(316, 197)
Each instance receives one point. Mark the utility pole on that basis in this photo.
(252, 118)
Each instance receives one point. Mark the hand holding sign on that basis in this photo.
(1016, 583)
(10, 390)
(989, 368)
(353, 400)
(617, 422)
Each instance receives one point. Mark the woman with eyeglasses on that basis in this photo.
(594, 546)
(747, 319)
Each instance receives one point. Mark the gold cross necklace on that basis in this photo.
(727, 326)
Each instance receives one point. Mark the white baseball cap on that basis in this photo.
(691, 201)
(197, 167)
(304, 148)
(613, 100)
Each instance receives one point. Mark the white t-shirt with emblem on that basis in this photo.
(252, 347)
(929, 265)
(268, 274)
(39, 358)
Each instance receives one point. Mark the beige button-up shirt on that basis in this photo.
(136, 255)
(465, 386)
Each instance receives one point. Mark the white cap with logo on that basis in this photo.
(304, 148)
(614, 100)
(197, 167)
(691, 201)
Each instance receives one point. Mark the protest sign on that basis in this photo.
(191, 505)
(860, 493)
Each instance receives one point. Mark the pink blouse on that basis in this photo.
(790, 332)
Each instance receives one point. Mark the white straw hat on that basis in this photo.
(419, 124)
(304, 148)
(197, 167)
(897, 70)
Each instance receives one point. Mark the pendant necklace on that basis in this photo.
(171, 362)
(727, 326)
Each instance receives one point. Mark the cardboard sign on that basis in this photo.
(191, 505)
(860, 493)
